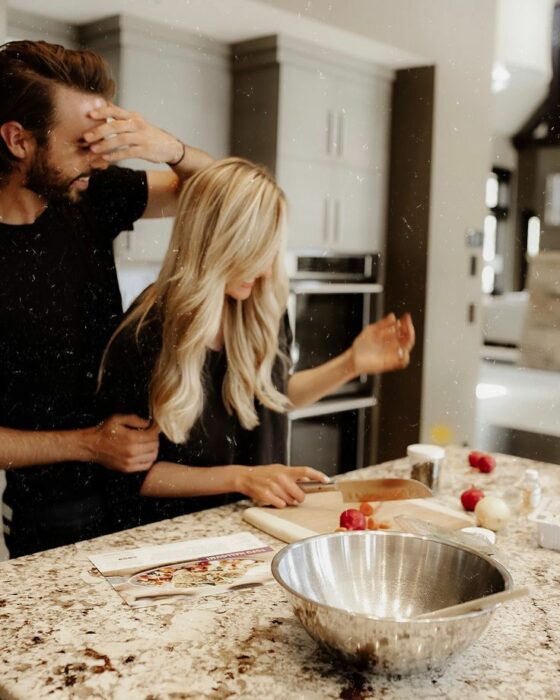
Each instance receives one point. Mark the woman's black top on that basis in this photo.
(217, 438)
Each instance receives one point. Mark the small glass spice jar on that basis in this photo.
(426, 462)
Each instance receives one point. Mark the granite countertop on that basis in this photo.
(65, 633)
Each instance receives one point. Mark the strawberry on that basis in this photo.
(471, 497)
(474, 456)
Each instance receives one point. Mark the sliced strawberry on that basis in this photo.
(366, 509)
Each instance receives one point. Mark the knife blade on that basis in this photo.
(360, 491)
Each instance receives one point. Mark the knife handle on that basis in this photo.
(317, 486)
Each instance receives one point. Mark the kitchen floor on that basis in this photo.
(518, 411)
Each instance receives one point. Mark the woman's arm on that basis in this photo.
(273, 484)
(380, 347)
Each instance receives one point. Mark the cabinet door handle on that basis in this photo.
(337, 213)
(340, 134)
(330, 131)
(327, 220)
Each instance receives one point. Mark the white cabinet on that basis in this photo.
(362, 132)
(329, 207)
(321, 124)
(326, 115)
(147, 243)
(306, 116)
(308, 188)
(359, 215)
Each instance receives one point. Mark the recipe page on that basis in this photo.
(186, 569)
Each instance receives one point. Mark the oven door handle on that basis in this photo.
(334, 288)
(323, 408)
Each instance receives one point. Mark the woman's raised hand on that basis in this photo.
(383, 346)
(275, 484)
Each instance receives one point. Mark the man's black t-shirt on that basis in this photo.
(216, 439)
(59, 304)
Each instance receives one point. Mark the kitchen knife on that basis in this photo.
(360, 491)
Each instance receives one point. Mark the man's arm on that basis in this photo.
(122, 443)
(164, 187)
(381, 347)
(123, 134)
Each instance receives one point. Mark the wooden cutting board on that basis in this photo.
(320, 513)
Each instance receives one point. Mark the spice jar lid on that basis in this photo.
(424, 451)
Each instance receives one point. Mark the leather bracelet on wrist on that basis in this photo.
(173, 164)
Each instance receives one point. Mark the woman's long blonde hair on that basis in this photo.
(229, 226)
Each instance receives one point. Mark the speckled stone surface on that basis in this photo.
(64, 632)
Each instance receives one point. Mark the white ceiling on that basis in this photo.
(523, 47)
(224, 20)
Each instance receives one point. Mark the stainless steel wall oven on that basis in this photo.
(332, 297)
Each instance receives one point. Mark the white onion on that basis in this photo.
(492, 512)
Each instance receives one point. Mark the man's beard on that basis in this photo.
(46, 180)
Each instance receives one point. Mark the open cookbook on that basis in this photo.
(186, 569)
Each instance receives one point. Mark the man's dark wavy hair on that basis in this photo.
(28, 72)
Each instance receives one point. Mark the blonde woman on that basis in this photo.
(204, 354)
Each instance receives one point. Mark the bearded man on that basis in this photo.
(62, 203)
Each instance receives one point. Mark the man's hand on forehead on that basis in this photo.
(112, 120)
(122, 134)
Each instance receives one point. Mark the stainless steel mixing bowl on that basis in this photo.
(356, 592)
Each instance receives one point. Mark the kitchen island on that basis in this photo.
(65, 633)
